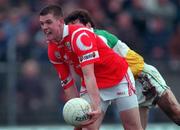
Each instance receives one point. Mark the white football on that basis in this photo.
(75, 111)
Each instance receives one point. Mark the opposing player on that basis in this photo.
(105, 75)
(151, 87)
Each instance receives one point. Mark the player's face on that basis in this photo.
(52, 27)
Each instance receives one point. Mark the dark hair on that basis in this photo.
(81, 14)
(52, 9)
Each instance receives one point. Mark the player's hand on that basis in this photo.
(77, 128)
(93, 116)
(149, 91)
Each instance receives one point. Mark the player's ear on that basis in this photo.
(88, 25)
(61, 20)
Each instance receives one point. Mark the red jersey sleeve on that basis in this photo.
(64, 75)
(61, 67)
(84, 45)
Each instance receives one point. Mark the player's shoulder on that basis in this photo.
(54, 54)
(104, 33)
(77, 32)
(51, 47)
(78, 28)
(52, 44)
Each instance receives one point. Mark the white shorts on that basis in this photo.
(121, 94)
(156, 80)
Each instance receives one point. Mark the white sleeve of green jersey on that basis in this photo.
(121, 48)
(104, 39)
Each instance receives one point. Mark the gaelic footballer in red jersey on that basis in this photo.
(79, 49)
(104, 73)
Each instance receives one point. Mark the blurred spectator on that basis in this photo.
(112, 7)
(156, 38)
(30, 93)
(177, 4)
(100, 19)
(174, 49)
(139, 15)
(3, 45)
(90, 5)
(127, 32)
(23, 46)
(4, 4)
(3, 36)
(33, 26)
(162, 8)
(25, 13)
(39, 51)
(69, 6)
(13, 25)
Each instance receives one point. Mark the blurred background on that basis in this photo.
(30, 92)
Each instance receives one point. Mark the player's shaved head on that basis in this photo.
(56, 10)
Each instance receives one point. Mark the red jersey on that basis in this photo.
(80, 47)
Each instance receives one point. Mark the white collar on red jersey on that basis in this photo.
(92, 29)
(65, 31)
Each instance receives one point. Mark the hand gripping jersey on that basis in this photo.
(135, 61)
(80, 47)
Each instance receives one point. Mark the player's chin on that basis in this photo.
(49, 37)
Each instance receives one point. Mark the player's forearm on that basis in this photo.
(93, 91)
(91, 85)
(71, 92)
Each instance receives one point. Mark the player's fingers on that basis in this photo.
(94, 115)
(84, 124)
(77, 128)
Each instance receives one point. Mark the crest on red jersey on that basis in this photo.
(83, 42)
(68, 45)
(83, 39)
(57, 54)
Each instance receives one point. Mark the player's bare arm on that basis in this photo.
(93, 91)
(169, 104)
(71, 92)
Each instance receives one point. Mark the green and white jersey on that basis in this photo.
(135, 61)
(137, 65)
